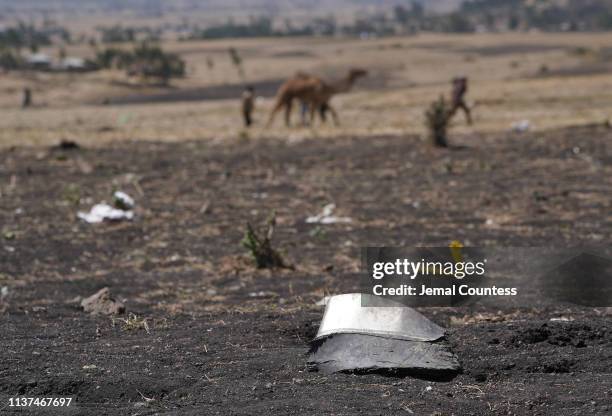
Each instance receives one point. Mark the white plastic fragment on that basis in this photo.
(562, 319)
(123, 200)
(102, 212)
(326, 217)
(521, 126)
(344, 314)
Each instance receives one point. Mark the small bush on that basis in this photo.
(146, 60)
(437, 119)
(261, 249)
(10, 60)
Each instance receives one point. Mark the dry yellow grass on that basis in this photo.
(508, 84)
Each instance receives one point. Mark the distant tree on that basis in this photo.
(417, 10)
(458, 23)
(66, 36)
(10, 60)
(23, 36)
(117, 34)
(149, 60)
(109, 58)
(513, 22)
(401, 14)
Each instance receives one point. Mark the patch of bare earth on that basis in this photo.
(208, 333)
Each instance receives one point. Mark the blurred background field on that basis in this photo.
(550, 79)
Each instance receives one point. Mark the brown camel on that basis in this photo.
(312, 91)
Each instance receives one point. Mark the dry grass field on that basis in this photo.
(552, 80)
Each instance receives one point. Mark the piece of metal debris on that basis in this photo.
(326, 217)
(521, 126)
(122, 210)
(356, 352)
(344, 314)
(384, 336)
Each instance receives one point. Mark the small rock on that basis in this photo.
(480, 377)
(67, 145)
(102, 303)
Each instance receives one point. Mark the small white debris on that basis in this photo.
(326, 217)
(123, 201)
(102, 212)
(122, 210)
(428, 388)
(90, 367)
(4, 292)
(561, 319)
(521, 126)
(263, 294)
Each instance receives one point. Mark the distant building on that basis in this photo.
(39, 61)
(73, 63)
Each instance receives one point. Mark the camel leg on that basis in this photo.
(304, 112)
(323, 112)
(313, 111)
(468, 113)
(334, 115)
(275, 110)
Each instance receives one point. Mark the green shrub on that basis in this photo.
(260, 247)
(437, 119)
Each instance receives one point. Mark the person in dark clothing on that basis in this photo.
(460, 88)
(248, 105)
(27, 98)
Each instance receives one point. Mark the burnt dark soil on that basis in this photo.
(225, 338)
